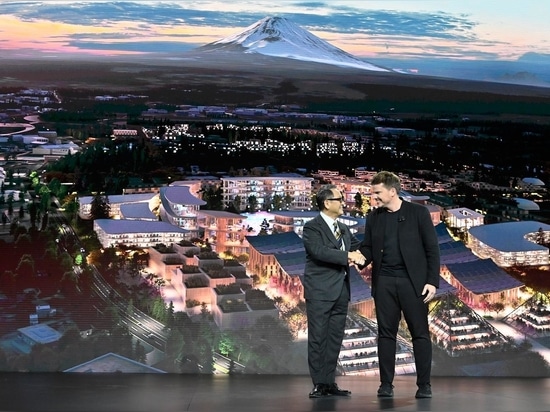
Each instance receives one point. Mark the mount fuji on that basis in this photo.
(279, 37)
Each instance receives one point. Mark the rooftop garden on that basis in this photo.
(258, 300)
(233, 306)
(162, 248)
(231, 262)
(196, 282)
(173, 260)
(186, 243)
(208, 254)
(240, 275)
(231, 289)
(261, 304)
(190, 269)
(217, 273)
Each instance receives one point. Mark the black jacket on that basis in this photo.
(325, 262)
(417, 241)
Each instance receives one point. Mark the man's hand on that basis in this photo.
(429, 292)
(356, 258)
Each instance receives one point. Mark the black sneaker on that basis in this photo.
(385, 390)
(424, 391)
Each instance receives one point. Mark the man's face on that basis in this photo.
(335, 204)
(382, 195)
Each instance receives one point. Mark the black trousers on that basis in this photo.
(326, 322)
(396, 295)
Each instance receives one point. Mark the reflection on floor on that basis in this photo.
(92, 392)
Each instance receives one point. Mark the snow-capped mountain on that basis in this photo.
(279, 37)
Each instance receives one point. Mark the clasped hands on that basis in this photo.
(356, 258)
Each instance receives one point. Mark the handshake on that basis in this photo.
(356, 258)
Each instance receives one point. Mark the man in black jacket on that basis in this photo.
(327, 289)
(401, 242)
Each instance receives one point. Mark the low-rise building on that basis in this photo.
(289, 187)
(511, 243)
(463, 218)
(180, 208)
(115, 202)
(225, 231)
(137, 233)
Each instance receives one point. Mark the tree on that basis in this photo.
(55, 187)
(139, 352)
(170, 314)
(66, 261)
(277, 202)
(174, 344)
(358, 200)
(498, 307)
(235, 205)
(204, 345)
(71, 205)
(45, 197)
(44, 359)
(10, 204)
(122, 341)
(159, 309)
(213, 196)
(70, 337)
(226, 344)
(33, 213)
(288, 201)
(45, 220)
(26, 266)
(100, 207)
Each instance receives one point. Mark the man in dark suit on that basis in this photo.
(327, 288)
(401, 242)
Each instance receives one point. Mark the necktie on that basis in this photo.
(338, 235)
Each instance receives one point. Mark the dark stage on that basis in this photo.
(77, 392)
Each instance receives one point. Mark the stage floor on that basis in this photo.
(75, 392)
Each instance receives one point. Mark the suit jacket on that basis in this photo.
(326, 265)
(417, 241)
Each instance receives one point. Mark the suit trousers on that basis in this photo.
(396, 295)
(326, 327)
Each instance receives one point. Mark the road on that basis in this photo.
(139, 324)
(222, 365)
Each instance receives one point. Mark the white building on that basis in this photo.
(225, 231)
(180, 208)
(463, 218)
(30, 139)
(511, 243)
(115, 202)
(293, 186)
(137, 233)
(57, 150)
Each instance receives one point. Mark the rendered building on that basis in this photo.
(511, 243)
(137, 233)
(463, 218)
(180, 208)
(291, 187)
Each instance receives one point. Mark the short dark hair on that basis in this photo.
(324, 193)
(388, 179)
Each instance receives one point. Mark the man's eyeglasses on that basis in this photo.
(339, 199)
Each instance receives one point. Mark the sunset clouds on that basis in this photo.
(488, 29)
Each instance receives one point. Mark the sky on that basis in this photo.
(458, 29)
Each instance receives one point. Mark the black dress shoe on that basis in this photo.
(333, 389)
(319, 391)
